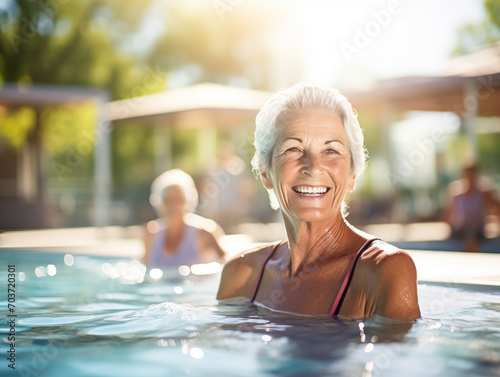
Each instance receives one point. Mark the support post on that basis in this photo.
(470, 116)
(102, 165)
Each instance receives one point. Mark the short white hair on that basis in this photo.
(284, 105)
(169, 179)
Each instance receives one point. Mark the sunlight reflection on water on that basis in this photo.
(110, 317)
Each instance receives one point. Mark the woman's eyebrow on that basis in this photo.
(333, 141)
(300, 140)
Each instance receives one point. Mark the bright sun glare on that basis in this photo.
(361, 40)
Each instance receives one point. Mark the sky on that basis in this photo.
(354, 41)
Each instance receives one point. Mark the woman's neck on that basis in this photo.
(312, 243)
(175, 222)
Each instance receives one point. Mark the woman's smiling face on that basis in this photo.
(311, 166)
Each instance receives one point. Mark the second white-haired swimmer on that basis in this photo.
(179, 237)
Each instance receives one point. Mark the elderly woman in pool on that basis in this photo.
(179, 237)
(309, 152)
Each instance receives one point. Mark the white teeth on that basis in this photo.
(309, 190)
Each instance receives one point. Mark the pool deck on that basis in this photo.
(126, 242)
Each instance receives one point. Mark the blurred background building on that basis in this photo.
(97, 99)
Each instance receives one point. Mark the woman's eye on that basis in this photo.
(333, 151)
(293, 149)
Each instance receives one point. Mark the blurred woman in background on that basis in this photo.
(179, 237)
(470, 201)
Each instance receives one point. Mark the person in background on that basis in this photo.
(309, 153)
(470, 200)
(178, 236)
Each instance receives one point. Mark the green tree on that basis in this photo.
(474, 36)
(224, 43)
(71, 42)
(81, 43)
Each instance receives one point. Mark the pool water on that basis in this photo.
(89, 316)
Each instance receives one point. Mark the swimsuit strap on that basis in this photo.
(347, 280)
(262, 270)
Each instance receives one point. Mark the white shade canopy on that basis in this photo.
(224, 105)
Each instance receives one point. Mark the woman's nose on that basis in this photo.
(312, 165)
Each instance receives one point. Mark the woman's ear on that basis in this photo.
(266, 179)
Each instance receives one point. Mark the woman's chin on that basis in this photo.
(311, 215)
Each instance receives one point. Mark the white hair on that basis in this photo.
(284, 105)
(171, 178)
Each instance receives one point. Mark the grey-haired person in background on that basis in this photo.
(179, 236)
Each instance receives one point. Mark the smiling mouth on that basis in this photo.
(311, 190)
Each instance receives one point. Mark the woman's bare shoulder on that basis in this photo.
(203, 224)
(251, 256)
(395, 281)
(152, 227)
(241, 272)
(382, 255)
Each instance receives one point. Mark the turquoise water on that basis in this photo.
(88, 316)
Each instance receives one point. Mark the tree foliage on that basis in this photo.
(220, 45)
(474, 36)
(16, 126)
(70, 42)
